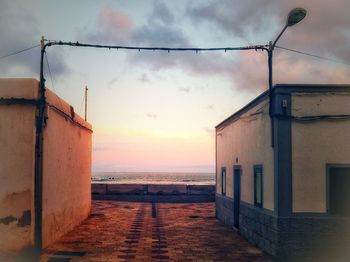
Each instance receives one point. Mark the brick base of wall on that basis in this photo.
(316, 237)
(300, 237)
(259, 226)
(224, 209)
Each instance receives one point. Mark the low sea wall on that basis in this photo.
(153, 192)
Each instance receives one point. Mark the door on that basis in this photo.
(236, 195)
(339, 193)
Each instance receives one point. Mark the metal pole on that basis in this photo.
(270, 53)
(86, 91)
(39, 139)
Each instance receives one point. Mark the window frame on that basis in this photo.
(328, 189)
(256, 170)
(223, 184)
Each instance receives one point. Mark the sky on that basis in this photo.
(157, 111)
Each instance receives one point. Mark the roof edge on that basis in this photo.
(288, 88)
(244, 109)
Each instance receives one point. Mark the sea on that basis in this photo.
(154, 178)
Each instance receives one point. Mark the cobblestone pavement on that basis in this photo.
(125, 231)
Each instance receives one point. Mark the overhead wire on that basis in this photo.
(20, 51)
(48, 67)
(320, 117)
(168, 49)
(313, 55)
(51, 78)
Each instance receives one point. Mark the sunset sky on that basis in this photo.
(156, 111)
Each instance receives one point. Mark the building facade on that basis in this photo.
(282, 181)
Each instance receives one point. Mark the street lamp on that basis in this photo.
(294, 17)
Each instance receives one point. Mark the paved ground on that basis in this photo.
(125, 231)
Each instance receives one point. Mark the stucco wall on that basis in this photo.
(247, 139)
(66, 167)
(17, 136)
(315, 144)
(67, 170)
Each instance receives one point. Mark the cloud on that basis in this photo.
(112, 82)
(114, 20)
(20, 29)
(210, 107)
(185, 89)
(253, 71)
(58, 66)
(151, 115)
(233, 16)
(160, 30)
(159, 35)
(324, 32)
(161, 14)
(326, 23)
(116, 26)
(210, 131)
(113, 26)
(144, 78)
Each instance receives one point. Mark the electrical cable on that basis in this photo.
(20, 51)
(320, 117)
(53, 87)
(168, 49)
(48, 67)
(313, 55)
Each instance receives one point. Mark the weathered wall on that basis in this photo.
(315, 144)
(66, 167)
(247, 140)
(17, 138)
(67, 170)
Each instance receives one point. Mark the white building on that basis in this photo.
(292, 195)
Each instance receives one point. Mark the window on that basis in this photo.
(258, 186)
(338, 190)
(223, 181)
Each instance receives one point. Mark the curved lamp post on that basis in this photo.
(294, 17)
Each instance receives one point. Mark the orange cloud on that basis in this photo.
(113, 26)
(114, 20)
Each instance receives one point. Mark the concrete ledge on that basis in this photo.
(167, 189)
(99, 189)
(129, 189)
(157, 198)
(201, 189)
(153, 192)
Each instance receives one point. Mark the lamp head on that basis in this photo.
(295, 16)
